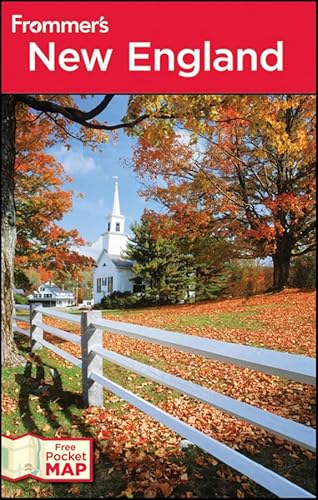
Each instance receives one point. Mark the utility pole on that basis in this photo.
(76, 292)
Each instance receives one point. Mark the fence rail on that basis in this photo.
(291, 366)
(25, 319)
(295, 367)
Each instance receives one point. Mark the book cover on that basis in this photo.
(158, 249)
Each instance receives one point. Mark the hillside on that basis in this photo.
(138, 457)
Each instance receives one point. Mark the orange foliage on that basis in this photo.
(42, 201)
(242, 166)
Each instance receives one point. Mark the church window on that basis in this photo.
(117, 227)
(108, 227)
(99, 289)
(110, 284)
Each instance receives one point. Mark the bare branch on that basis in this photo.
(309, 248)
(216, 186)
(78, 116)
(58, 124)
(30, 121)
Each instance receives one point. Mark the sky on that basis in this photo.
(92, 174)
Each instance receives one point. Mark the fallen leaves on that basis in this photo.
(74, 490)
(165, 489)
(8, 404)
(240, 494)
(7, 493)
(144, 451)
(200, 460)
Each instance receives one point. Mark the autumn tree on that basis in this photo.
(41, 202)
(241, 167)
(64, 113)
(250, 174)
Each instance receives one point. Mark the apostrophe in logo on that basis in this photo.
(47, 459)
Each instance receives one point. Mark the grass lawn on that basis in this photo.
(35, 402)
(244, 319)
(136, 456)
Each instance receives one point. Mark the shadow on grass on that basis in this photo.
(46, 393)
(37, 388)
(112, 475)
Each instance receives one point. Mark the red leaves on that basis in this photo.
(145, 452)
(41, 201)
(290, 202)
(104, 434)
(233, 164)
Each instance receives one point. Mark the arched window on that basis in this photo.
(118, 227)
(108, 227)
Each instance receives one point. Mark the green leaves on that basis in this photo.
(174, 268)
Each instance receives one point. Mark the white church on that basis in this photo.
(113, 272)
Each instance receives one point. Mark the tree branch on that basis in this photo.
(310, 247)
(78, 116)
(216, 186)
(30, 121)
(49, 115)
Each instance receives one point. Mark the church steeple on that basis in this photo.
(115, 239)
(116, 205)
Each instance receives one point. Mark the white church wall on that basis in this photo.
(107, 277)
(124, 280)
(121, 281)
(105, 270)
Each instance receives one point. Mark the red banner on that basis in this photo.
(158, 47)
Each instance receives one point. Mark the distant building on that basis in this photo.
(113, 272)
(86, 304)
(50, 295)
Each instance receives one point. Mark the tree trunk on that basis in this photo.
(9, 354)
(281, 261)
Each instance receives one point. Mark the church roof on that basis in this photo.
(118, 262)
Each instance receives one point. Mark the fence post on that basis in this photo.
(93, 393)
(36, 332)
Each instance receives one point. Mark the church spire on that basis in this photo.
(116, 206)
(115, 239)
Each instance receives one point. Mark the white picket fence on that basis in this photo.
(290, 366)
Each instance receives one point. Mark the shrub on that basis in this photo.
(118, 300)
(303, 272)
(248, 279)
(20, 299)
(21, 280)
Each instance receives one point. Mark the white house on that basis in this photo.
(50, 295)
(113, 272)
